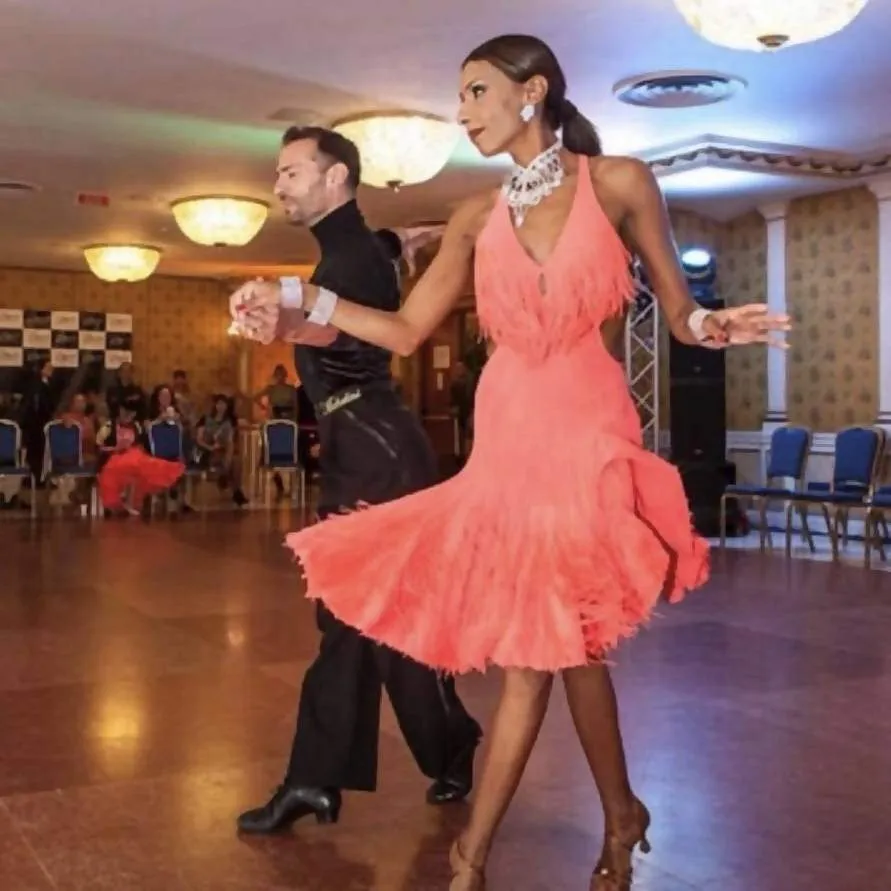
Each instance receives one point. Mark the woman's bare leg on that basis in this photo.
(595, 713)
(518, 718)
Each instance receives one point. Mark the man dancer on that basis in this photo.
(373, 449)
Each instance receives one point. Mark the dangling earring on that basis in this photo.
(527, 112)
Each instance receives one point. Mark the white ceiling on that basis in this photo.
(150, 102)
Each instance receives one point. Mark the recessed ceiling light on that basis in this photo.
(16, 187)
(678, 89)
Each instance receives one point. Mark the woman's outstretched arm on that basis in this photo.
(259, 308)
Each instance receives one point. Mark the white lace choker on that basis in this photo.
(528, 186)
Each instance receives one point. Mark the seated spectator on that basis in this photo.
(215, 446)
(182, 397)
(77, 415)
(279, 398)
(163, 406)
(164, 409)
(97, 407)
(128, 474)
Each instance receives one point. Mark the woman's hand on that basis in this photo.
(255, 309)
(743, 325)
(257, 314)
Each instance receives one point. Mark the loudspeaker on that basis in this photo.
(704, 483)
(695, 363)
(698, 425)
(698, 408)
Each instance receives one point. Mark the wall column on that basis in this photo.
(775, 217)
(881, 188)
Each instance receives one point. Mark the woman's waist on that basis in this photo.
(583, 382)
(589, 356)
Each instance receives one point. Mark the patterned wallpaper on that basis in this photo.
(831, 292)
(177, 322)
(740, 248)
(742, 278)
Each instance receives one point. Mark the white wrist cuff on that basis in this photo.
(324, 309)
(292, 292)
(694, 323)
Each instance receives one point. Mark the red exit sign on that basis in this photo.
(93, 199)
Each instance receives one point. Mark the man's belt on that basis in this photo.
(348, 395)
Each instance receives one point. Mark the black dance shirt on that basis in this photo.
(356, 265)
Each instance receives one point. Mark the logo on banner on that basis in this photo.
(12, 318)
(65, 321)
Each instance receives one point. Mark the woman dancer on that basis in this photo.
(534, 565)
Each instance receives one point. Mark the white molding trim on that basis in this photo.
(775, 210)
(746, 440)
(758, 440)
(880, 186)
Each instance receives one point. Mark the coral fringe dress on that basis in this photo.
(562, 533)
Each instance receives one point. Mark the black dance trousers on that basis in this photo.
(373, 450)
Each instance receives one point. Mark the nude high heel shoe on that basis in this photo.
(614, 870)
(465, 876)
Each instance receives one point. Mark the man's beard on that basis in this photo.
(294, 218)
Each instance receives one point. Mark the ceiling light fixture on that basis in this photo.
(16, 187)
(768, 24)
(122, 262)
(400, 148)
(220, 220)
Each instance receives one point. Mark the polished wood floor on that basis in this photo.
(149, 674)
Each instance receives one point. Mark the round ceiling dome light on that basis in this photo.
(220, 220)
(768, 24)
(122, 262)
(400, 148)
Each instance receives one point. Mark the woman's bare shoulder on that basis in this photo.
(622, 175)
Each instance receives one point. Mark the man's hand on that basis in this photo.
(255, 309)
(414, 238)
(258, 315)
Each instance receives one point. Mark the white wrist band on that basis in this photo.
(292, 292)
(324, 309)
(694, 323)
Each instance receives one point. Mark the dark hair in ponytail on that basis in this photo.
(521, 57)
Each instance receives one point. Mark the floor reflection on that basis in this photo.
(149, 675)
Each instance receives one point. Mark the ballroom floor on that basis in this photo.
(149, 675)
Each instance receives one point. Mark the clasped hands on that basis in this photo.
(256, 310)
(261, 313)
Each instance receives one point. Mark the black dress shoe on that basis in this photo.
(456, 783)
(289, 804)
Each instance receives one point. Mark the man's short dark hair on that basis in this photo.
(338, 149)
